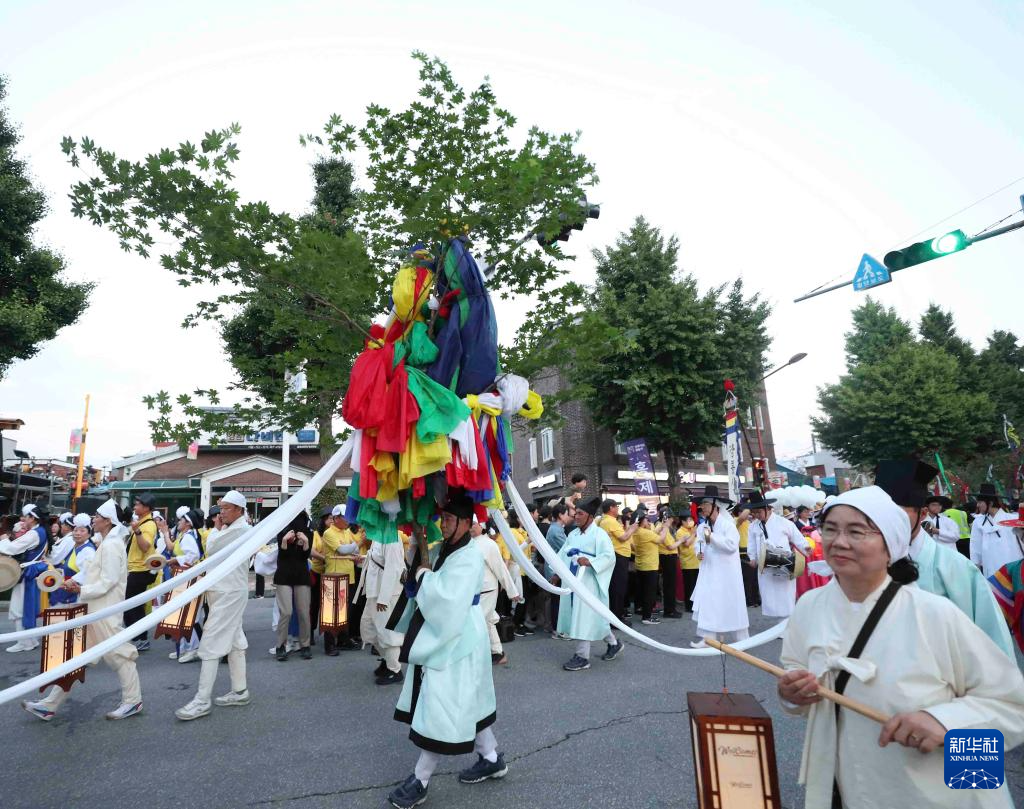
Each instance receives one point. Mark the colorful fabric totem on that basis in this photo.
(426, 400)
(1008, 588)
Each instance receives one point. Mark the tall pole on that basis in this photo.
(285, 459)
(81, 455)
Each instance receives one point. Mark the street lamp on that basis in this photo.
(757, 424)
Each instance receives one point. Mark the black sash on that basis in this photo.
(855, 651)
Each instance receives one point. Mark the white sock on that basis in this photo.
(486, 745)
(425, 766)
(583, 649)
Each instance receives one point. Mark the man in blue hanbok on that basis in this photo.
(590, 556)
(448, 695)
(942, 569)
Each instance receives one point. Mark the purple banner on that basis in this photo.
(643, 469)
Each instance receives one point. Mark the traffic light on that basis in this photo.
(760, 473)
(952, 242)
(587, 211)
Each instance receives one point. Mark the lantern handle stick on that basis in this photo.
(827, 693)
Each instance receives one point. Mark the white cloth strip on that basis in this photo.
(276, 521)
(563, 573)
(520, 557)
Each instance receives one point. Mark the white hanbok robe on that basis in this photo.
(778, 590)
(61, 550)
(947, 532)
(575, 618)
(381, 582)
(227, 599)
(993, 545)
(924, 654)
(496, 575)
(448, 695)
(719, 604)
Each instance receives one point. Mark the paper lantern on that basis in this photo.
(60, 647)
(180, 624)
(733, 752)
(333, 603)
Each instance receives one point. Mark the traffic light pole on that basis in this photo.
(973, 240)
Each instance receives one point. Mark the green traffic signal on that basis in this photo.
(918, 253)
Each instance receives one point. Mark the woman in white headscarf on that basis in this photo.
(925, 664)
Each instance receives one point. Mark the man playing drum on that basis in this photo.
(778, 540)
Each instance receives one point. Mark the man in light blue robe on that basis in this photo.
(942, 570)
(448, 696)
(590, 556)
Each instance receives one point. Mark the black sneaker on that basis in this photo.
(652, 621)
(484, 769)
(349, 645)
(613, 651)
(527, 630)
(282, 653)
(520, 631)
(381, 670)
(672, 615)
(577, 663)
(306, 653)
(389, 677)
(409, 794)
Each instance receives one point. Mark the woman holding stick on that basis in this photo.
(909, 654)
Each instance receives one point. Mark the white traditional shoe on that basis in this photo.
(21, 646)
(189, 656)
(172, 656)
(698, 644)
(232, 698)
(193, 710)
(125, 710)
(38, 710)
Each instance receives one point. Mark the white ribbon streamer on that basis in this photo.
(588, 598)
(520, 557)
(246, 545)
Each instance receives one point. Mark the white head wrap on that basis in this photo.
(877, 506)
(82, 521)
(109, 510)
(338, 511)
(234, 498)
(66, 518)
(181, 512)
(30, 510)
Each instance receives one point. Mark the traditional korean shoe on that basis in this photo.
(38, 710)
(21, 646)
(173, 656)
(698, 644)
(232, 699)
(282, 653)
(411, 793)
(389, 677)
(484, 769)
(193, 710)
(306, 653)
(189, 656)
(613, 651)
(577, 663)
(124, 711)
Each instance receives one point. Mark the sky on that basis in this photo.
(779, 142)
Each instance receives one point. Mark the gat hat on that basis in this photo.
(711, 493)
(906, 481)
(592, 506)
(941, 499)
(987, 493)
(234, 498)
(81, 520)
(754, 500)
(148, 499)
(460, 504)
(1017, 523)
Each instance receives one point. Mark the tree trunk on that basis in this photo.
(326, 429)
(672, 465)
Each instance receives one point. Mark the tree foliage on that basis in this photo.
(37, 301)
(302, 290)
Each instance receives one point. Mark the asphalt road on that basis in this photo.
(319, 733)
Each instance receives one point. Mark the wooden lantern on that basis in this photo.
(733, 752)
(333, 602)
(180, 624)
(60, 647)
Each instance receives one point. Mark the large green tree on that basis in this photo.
(444, 165)
(648, 350)
(37, 301)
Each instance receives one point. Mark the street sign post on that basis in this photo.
(870, 273)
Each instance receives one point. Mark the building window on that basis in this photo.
(760, 419)
(533, 453)
(620, 448)
(697, 456)
(547, 444)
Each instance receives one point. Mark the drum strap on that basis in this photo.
(855, 651)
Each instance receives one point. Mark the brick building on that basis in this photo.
(545, 459)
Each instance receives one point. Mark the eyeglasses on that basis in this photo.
(830, 533)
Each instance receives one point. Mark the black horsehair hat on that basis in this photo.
(905, 481)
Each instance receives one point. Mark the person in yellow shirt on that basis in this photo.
(622, 542)
(141, 545)
(668, 562)
(340, 551)
(688, 560)
(316, 566)
(645, 553)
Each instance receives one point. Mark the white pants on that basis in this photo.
(374, 632)
(739, 634)
(485, 745)
(583, 646)
(16, 610)
(223, 633)
(122, 661)
(488, 602)
(208, 675)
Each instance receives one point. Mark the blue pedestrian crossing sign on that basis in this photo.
(870, 273)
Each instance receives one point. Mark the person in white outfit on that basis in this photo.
(381, 582)
(182, 552)
(65, 543)
(993, 545)
(222, 634)
(105, 579)
(942, 529)
(496, 574)
(27, 544)
(774, 533)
